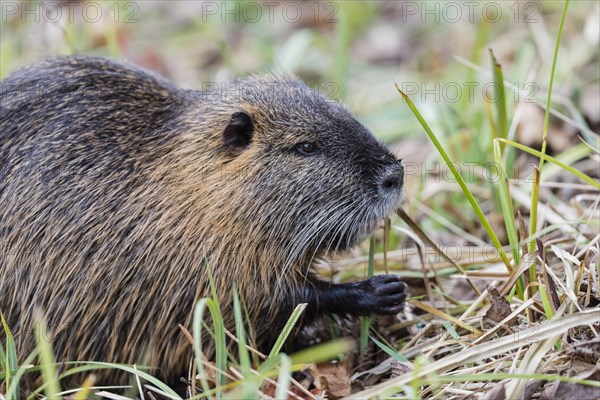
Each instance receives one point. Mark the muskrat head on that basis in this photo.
(310, 178)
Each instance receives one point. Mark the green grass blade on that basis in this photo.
(546, 302)
(343, 36)
(12, 390)
(283, 381)
(500, 102)
(502, 124)
(389, 351)
(3, 365)
(84, 392)
(450, 329)
(220, 344)
(459, 179)
(506, 203)
(508, 212)
(86, 366)
(553, 160)
(371, 265)
(287, 329)
(568, 157)
(365, 322)
(241, 335)
(536, 185)
(10, 361)
(323, 352)
(47, 359)
(249, 382)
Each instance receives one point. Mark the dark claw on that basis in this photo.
(393, 298)
(389, 288)
(391, 310)
(384, 294)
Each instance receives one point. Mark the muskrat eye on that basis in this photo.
(306, 148)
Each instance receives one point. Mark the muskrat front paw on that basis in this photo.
(385, 294)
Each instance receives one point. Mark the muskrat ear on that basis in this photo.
(238, 132)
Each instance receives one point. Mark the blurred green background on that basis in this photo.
(348, 49)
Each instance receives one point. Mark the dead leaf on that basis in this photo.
(500, 308)
(565, 390)
(331, 378)
(496, 392)
(269, 388)
(531, 388)
(209, 373)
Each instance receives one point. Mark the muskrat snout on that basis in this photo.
(392, 179)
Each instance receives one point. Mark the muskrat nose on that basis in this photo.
(393, 179)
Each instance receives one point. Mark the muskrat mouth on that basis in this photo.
(353, 232)
(344, 241)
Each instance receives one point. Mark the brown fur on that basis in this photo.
(117, 190)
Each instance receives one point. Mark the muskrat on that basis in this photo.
(120, 192)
